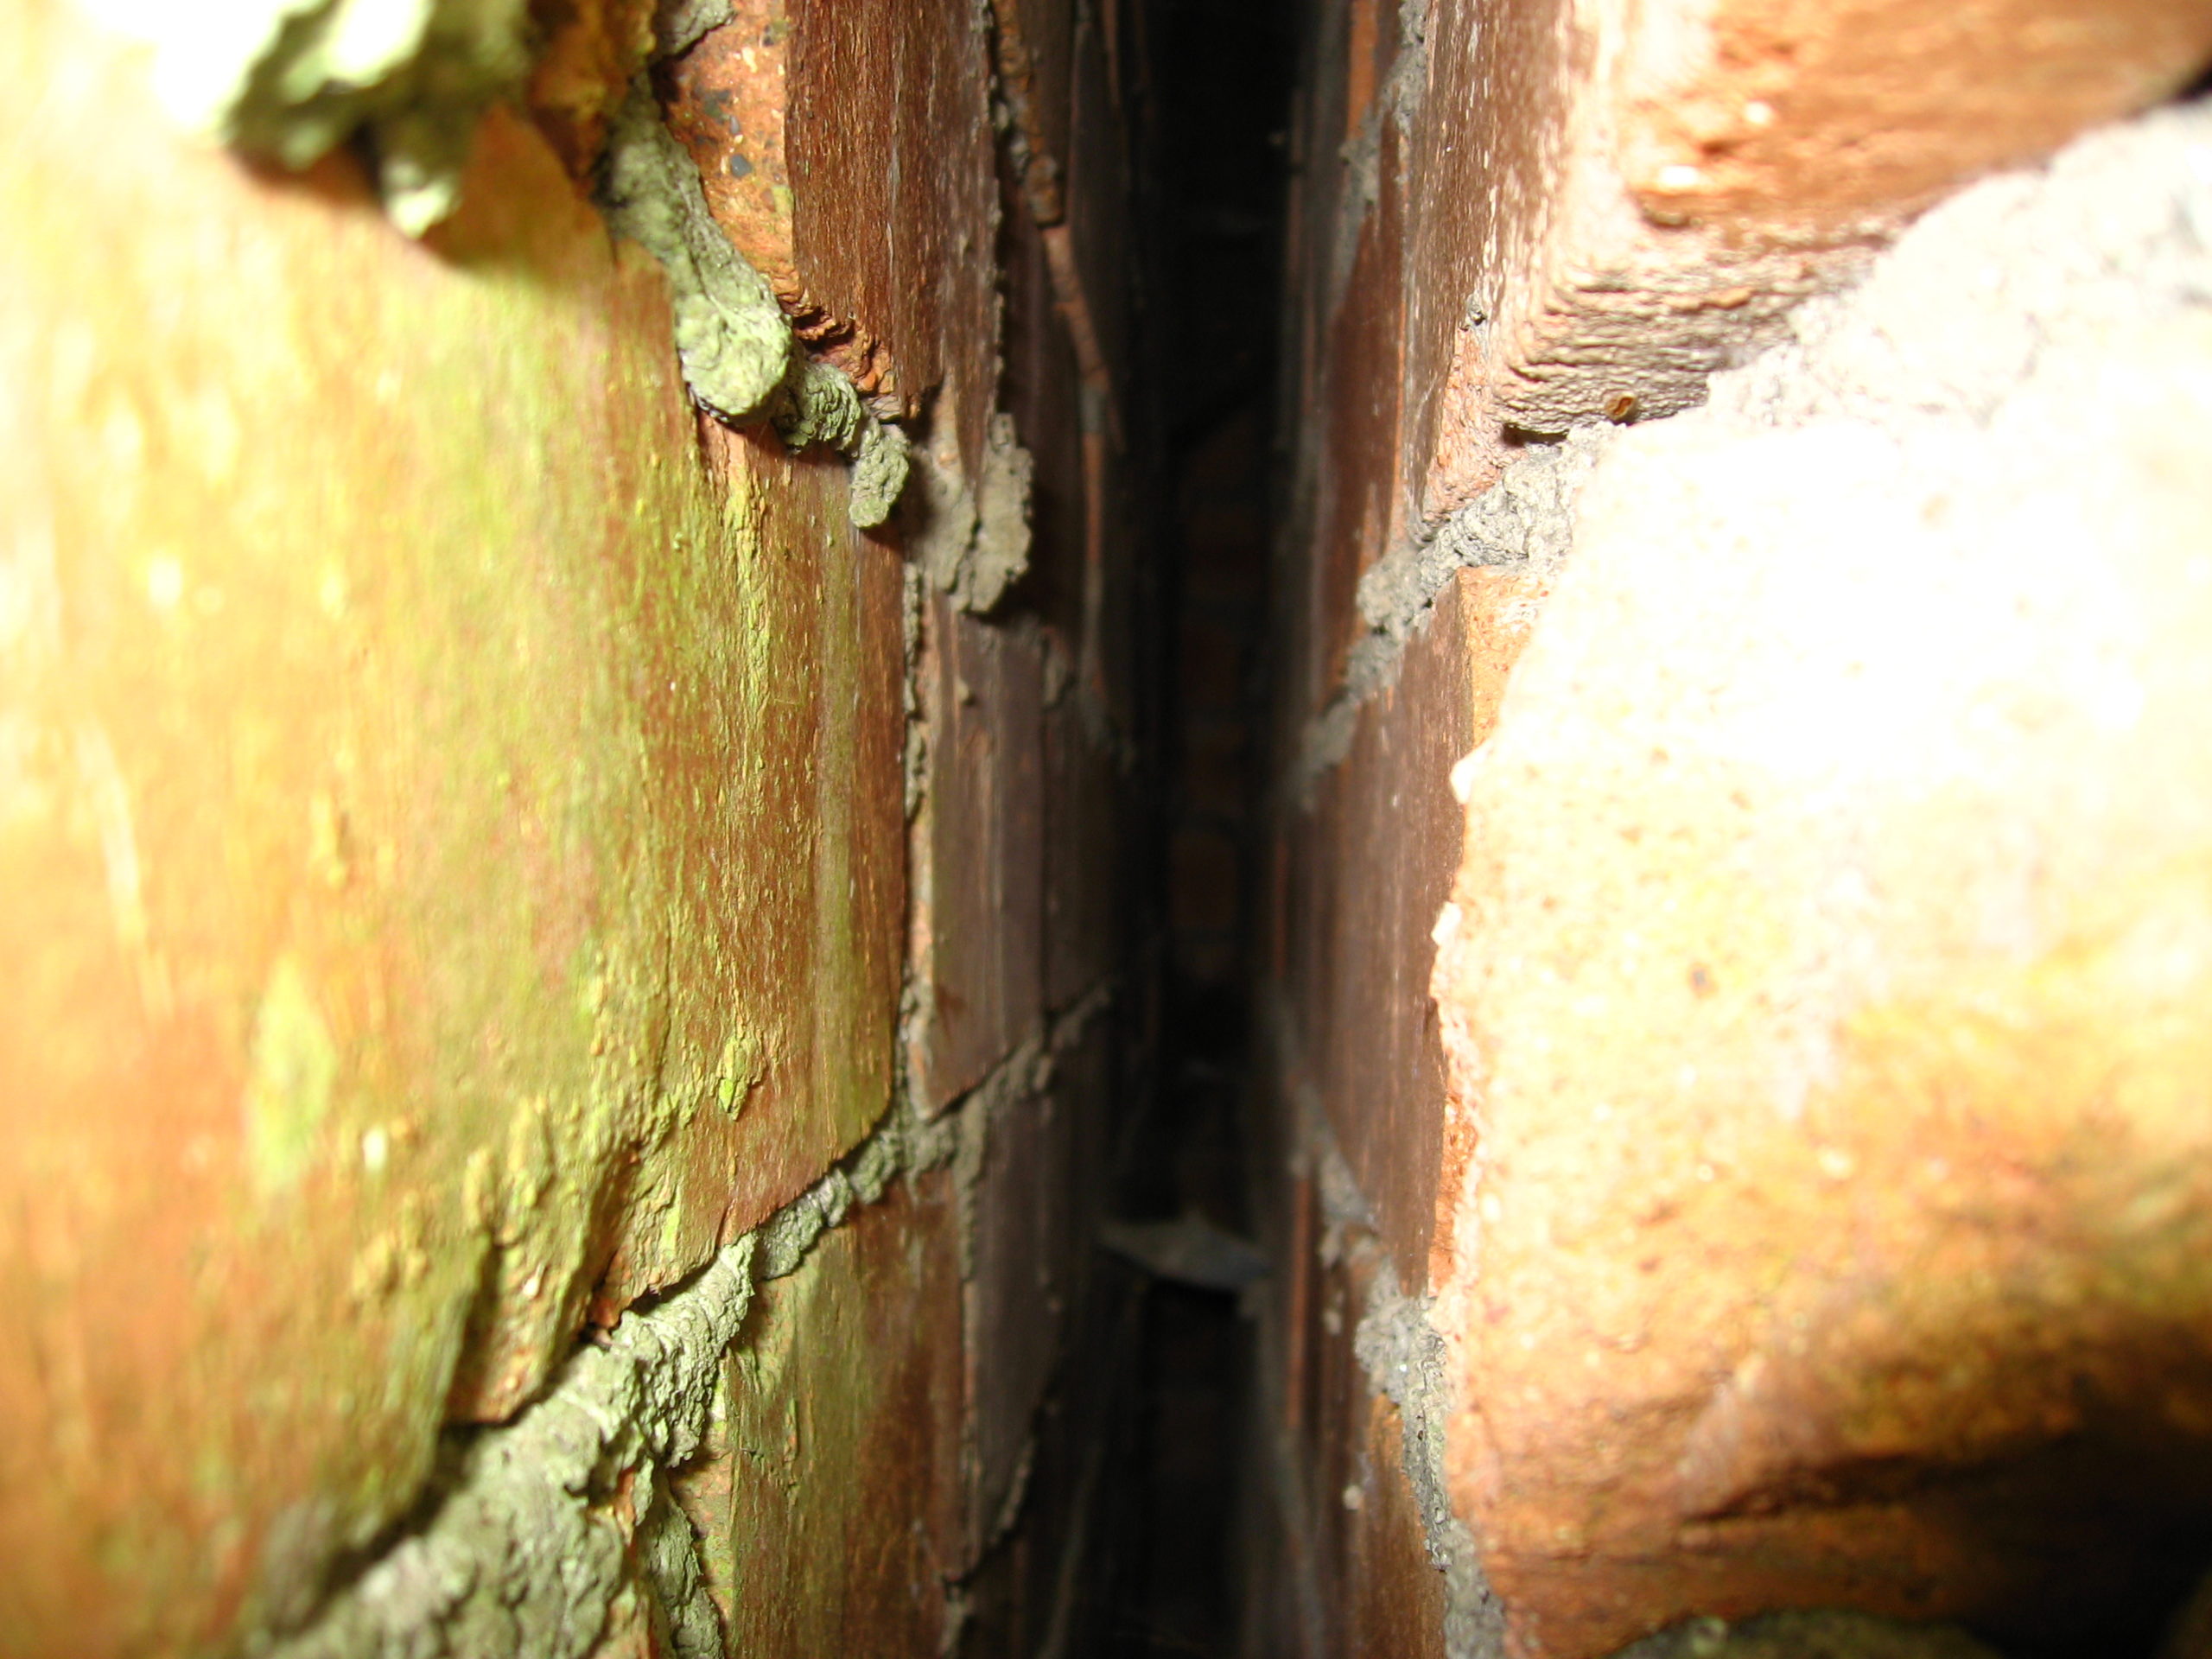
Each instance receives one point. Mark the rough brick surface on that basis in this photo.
(1509, 222)
(369, 858)
(1825, 978)
(979, 886)
(827, 1499)
(1374, 861)
(1625, 199)
(453, 850)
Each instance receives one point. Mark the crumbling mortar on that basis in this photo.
(679, 25)
(290, 81)
(972, 539)
(1022, 1075)
(914, 596)
(1397, 100)
(1403, 1356)
(1525, 520)
(1399, 1350)
(546, 1520)
(741, 358)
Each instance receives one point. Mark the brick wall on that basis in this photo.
(1552, 1357)
(566, 987)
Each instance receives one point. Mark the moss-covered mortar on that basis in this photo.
(545, 1529)
(290, 81)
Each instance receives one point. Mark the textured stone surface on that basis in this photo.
(1825, 980)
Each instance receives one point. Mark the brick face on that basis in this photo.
(434, 984)
(1819, 1015)
(1035, 1206)
(1374, 861)
(979, 915)
(827, 1500)
(1084, 858)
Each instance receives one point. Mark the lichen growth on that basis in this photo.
(820, 406)
(530, 1545)
(879, 474)
(292, 79)
(288, 1092)
(737, 350)
(545, 1521)
(739, 356)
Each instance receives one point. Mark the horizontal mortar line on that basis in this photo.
(1525, 516)
(539, 1461)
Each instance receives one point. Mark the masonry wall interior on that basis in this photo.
(1106, 827)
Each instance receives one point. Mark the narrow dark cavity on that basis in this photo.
(1213, 107)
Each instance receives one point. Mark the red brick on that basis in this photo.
(1034, 1213)
(1084, 801)
(828, 1502)
(1372, 864)
(1623, 236)
(1839, 1177)
(460, 876)
(890, 149)
(980, 906)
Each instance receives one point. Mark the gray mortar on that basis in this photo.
(1526, 518)
(1404, 1359)
(1401, 1352)
(679, 25)
(879, 471)
(737, 350)
(915, 759)
(1398, 101)
(290, 81)
(521, 1554)
(738, 355)
(973, 540)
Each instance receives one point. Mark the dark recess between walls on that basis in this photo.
(1211, 101)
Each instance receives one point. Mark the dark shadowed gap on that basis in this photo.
(1211, 104)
